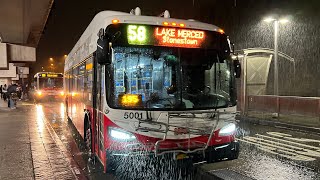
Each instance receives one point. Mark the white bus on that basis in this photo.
(48, 86)
(156, 85)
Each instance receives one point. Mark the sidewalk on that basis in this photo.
(28, 147)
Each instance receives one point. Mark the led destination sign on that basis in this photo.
(179, 37)
(49, 75)
(139, 34)
(164, 36)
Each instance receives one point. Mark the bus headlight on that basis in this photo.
(121, 135)
(227, 130)
(39, 93)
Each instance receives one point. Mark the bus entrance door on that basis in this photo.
(98, 106)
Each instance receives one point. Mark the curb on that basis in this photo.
(278, 124)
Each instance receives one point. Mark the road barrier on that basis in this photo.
(292, 109)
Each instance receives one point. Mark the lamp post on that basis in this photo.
(276, 22)
(276, 38)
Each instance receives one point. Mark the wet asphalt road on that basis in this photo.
(274, 153)
(266, 152)
(54, 113)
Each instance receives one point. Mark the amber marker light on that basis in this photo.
(165, 23)
(221, 31)
(182, 25)
(115, 21)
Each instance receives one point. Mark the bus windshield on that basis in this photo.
(169, 78)
(50, 83)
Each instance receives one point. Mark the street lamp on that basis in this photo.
(51, 59)
(276, 34)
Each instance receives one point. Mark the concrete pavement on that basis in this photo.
(28, 147)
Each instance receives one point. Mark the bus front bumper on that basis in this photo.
(222, 152)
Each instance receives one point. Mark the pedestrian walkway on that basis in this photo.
(3, 105)
(29, 148)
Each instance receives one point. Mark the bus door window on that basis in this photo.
(89, 81)
(99, 106)
(70, 89)
(81, 80)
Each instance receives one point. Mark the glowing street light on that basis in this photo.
(276, 34)
(51, 59)
(65, 56)
(51, 64)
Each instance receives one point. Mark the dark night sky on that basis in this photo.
(241, 19)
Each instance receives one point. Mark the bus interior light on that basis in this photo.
(130, 99)
(115, 21)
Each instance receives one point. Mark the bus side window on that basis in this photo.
(80, 83)
(88, 80)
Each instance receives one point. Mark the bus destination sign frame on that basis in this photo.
(152, 35)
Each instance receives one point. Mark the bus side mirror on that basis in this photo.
(237, 68)
(104, 46)
(103, 49)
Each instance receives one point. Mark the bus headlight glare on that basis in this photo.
(227, 130)
(121, 135)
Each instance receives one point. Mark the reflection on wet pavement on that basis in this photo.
(54, 112)
(48, 159)
(40, 118)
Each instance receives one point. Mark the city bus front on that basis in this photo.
(169, 90)
(49, 86)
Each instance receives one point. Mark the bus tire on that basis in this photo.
(88, 134)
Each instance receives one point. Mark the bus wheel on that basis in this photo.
(88, 138)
